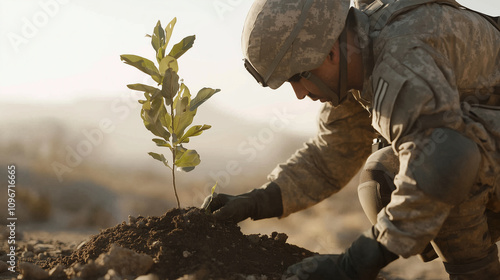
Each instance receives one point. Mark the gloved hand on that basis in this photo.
(257, 204)
(363, 260)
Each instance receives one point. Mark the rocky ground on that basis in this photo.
(181, 244)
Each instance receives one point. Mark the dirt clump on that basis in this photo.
(184, 243)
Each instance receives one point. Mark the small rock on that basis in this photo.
(131, 220)
(156, 244)
(43, 256)
(202, 273)
(125, 262)
(34, 242)
(55, 253)
(31, 271)
(57, 272)
(74, 269)
(42, 248)
(150, 276)
(141, 223)
(254, 238)
(90, 271)
(27, 254)
(66, 252)
(281, 237)
(3, 267)
(81, 245)
(186, 254)
(112, 275)
(30, 247)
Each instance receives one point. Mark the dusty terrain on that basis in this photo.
(181, 244)
(117, 179)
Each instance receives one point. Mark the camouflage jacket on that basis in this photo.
(422, 69)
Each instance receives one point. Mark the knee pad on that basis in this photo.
(446, 166)
(377, 182)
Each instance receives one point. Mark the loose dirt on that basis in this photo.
(189, 242)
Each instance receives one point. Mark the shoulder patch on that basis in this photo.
(388, 85)
(380, 92)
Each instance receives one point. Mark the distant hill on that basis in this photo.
(103, 143)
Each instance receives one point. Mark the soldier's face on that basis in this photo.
(305, 88)
(328, 72)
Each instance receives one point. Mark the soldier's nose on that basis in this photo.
(299, 90)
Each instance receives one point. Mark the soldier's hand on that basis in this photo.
(257, 204)
(317, 267)
(228, 207)
(363, 260)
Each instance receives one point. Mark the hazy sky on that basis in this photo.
(62, 50)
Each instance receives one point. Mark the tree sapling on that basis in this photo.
(168, 109)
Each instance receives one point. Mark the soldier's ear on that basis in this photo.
(334, 54)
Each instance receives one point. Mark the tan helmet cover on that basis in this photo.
(269, 23)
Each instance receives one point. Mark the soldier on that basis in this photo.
(419, 72)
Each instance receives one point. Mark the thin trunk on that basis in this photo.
(173, 155)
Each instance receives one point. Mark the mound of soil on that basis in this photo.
(190, 242)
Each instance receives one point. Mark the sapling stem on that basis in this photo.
(174, 148)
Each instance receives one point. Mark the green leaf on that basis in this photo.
(170, 85)
(143, 64)
(141, 87)
(166, 121)
(183, 92)
(189, 158)
(169, 29)
(185, 169)
(183, 117)
(151, 111)
(159, 157)
(193, 131)
(203, 95)
(168, 62)
(158, 37)
(155, 127)
(146, 104)
(161, 143)
(182, 47)
(211, 198)
(160, 54)
(213, 189)
(181, 105)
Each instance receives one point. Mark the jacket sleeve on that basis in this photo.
(327, 162)
(414, 93)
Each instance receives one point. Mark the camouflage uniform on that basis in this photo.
(422, 72)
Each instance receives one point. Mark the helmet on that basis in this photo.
(283, 38)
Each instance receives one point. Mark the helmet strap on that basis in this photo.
(322, 86)
(289, 41)
(343, 66)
